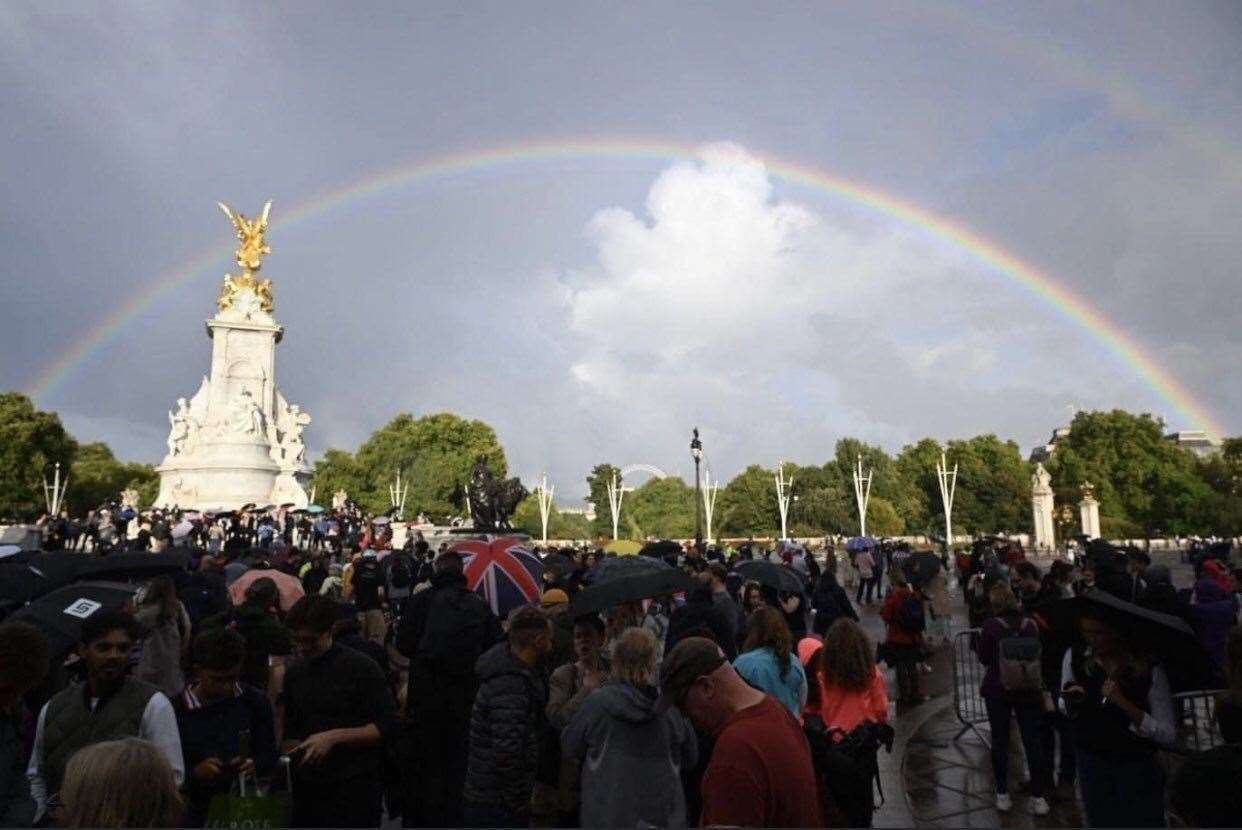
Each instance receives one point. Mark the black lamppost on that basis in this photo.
(696, 452)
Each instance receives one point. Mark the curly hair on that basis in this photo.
(767, 628)
(847, 659)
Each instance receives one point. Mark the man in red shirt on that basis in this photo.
(760, 773)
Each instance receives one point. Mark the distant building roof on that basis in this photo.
(1195, 440)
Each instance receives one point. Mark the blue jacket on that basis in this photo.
(760, 669)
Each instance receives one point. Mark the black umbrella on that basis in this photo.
(629, 587)
(59, 614)
(778, 577)
(614, 567)
(27, 575)
(661, 549)
(1169, 639)
(135, 565)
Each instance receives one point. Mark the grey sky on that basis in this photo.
(596, 308)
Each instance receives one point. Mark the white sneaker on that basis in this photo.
(1039, 806)
(1003, 802)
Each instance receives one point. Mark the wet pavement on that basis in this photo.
(940, 772)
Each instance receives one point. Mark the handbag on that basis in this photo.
(241, 810)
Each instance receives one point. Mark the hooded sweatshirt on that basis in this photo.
(632, 758)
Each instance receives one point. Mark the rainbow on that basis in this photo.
(1053, 294)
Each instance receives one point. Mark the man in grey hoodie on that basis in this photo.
(632, 754)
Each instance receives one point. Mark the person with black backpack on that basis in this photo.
(443, 631)
(1010, 650)
(905, 622)
(368, 585)
(400, 570)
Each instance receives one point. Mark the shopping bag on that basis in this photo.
(246, 809)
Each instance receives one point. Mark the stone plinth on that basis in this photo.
(237, 441)
(1089, 514)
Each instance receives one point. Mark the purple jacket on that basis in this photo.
(1213, 613)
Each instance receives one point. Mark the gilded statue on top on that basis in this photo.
(249, 256)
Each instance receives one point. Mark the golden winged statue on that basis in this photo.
(249, 256)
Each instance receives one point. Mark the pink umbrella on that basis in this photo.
(289, 586)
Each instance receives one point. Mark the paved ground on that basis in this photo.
(939, 774)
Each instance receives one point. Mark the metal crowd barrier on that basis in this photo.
(967, 675)
(1197, 729)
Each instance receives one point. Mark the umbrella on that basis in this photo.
(921, 567)
(661, 549)
(287, 505)
(623, 547)
(290, 587)
(182, 529)
(503, 571)
(777, 577)
(859, 543)
(630, 587)
(380, 520)
(59, 614)
(613, 567)
(313, 508)
(136, 565)
(1169, 639)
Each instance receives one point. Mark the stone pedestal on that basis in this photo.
(1041, 506)
(1089, 514)
(237, 441)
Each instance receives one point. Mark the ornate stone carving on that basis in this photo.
(339, 498)
(184, 430)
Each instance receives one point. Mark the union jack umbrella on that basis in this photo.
(503, 571)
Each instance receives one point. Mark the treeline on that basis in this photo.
(1146, 484)
(32, 442)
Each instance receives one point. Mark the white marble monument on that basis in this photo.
(1089, 512)
(1041, 505)
(237, 440)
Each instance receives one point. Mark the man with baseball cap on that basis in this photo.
(760, 772)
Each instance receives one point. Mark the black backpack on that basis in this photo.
(367, 583)
(399, 572)
(847, 769)
(910, 615)
(458, 629)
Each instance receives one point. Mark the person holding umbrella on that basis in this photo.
(1121, 711)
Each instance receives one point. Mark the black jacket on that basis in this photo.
(444, 630)
(505, 729)
(831, 604)
(697, 617)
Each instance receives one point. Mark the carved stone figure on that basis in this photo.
(249, 255)
(245, 417)
(129, 497)
(339, 499)
(293, 451)
(1041, 480)
(182, 429)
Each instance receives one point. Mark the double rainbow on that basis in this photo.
(1042, 286)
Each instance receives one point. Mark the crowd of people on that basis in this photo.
(1093, 702)
(315, 670)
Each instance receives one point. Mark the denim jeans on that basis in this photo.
(1000, 711)
(1122, 790)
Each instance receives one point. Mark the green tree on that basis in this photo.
(336, 470)
(1138, 475)
(747, 505)
(1222, 471)
(883, 518)
(32, 442)
(597, 487)
(886, 481)
(661, 509)
(98, 476)
(563, 526)
(435, 454)
(993, 486)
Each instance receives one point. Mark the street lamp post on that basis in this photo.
(696, 452)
